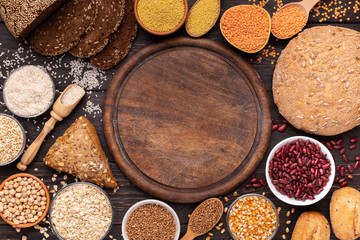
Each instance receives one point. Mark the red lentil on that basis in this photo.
(288, 21)
(246, 27)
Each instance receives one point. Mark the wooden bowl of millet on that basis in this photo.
(25, 200)
(153, 31)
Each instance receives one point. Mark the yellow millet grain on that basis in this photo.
(161, 15)
(202, 17)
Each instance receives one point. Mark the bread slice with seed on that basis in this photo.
(311, 225)
(21, 17)
(63, 30)
(109, 18)
(120, 42)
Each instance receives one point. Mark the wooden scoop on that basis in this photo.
(190, 234)
(59, 112)
(305, 5)
(206, 30)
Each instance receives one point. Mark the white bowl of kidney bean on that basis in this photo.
(300, 170)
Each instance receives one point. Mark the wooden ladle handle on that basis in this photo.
(190, 235)
(33, 149)
(309, 4)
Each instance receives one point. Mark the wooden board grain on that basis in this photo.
(186, 119)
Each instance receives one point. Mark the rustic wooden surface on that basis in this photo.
(186, 119)
(11, 53)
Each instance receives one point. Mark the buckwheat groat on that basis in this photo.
(316, 82)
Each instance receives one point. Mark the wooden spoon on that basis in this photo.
(59, 112)
(305, 6)
(190, 234)
(206, 30)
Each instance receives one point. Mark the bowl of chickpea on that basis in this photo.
(24, 201)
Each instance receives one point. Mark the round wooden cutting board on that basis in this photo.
(186, 119)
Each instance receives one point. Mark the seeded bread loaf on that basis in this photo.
(78, 152)
(63, 30)
(120, 42)
(316, 82)
(22, 16)
(109, 18)
(311, 225)
(345, 213)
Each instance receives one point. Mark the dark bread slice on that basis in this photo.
(63, 30)
(110, 14)
(22, 16)
(120, 42)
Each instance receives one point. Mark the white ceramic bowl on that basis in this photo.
(150, 201)
(293, 201)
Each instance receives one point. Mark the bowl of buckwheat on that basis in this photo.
(25, 200)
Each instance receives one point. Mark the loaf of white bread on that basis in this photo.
(23, 16)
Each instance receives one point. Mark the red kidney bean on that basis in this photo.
(345, 157)
(357, 164)
(351, 177)
(282, 127)
(274, 127)
(350, 168)
(338, 167)
(256, 185)
(357, 158)
(253, 180)
(341, 180)
(336, 179)
(329, 146)
(353, 146)
(340, 141)
(300, 169)
(333, 142)
(262, 182)
(248, 186)
(342, 151)
(344, 184)
(354, 140)
(338, 147)
(342, 171)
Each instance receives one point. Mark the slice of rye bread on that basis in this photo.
(21, 17)
(110, 14)
(120, 42)
(63, 30)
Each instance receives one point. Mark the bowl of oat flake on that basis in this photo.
(81, 210)
(12, 139)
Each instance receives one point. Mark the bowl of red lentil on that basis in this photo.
(12, 139)
(300, 170)
(161, 17)
(252, 216)
(25, 200)
(246, 27)
(150, 219)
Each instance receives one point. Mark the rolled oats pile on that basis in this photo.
(81, 211)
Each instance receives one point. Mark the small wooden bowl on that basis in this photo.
(162, 33)
(27, 225)
(268, 34)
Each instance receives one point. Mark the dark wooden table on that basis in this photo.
(14, 54)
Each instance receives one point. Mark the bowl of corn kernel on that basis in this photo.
(161, 17)
(252, 216)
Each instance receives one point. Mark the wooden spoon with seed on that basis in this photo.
(204, 218)
(305, 6)
(59, 112)
(188, 30)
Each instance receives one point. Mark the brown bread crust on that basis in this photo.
(311, 225)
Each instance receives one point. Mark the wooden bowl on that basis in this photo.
(268, 34)
(161, 33)
(46, 194)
